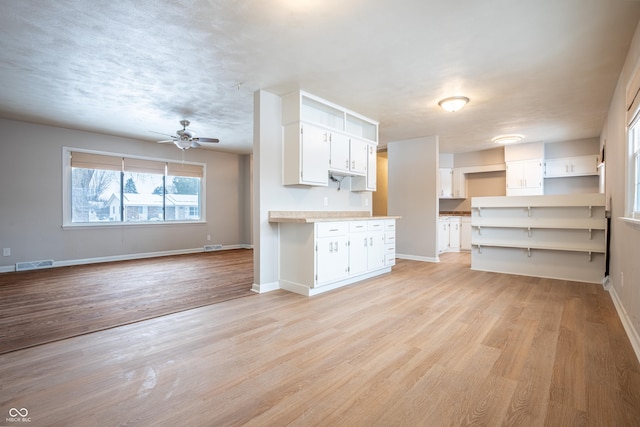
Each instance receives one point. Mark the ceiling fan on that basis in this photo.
(186, 138)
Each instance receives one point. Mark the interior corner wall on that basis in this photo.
(624, 271)
(31, 170)
(413, 194)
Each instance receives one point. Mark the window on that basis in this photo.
(633, 141)
(117, 189)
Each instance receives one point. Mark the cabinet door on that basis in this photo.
(514, 175)
(446, 183)
(339, 158)
(332, 259)
(358, 244)
(459, 184)
(358, 156)
(532, 174)
(556, 168)
(454, 234)
(314, 153)
(443, 235)
(375, 250)
(372, 167)
(584, 165)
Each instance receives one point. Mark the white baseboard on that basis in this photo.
(417, 258)
(127, 257)
(633, 335)
(265, 287)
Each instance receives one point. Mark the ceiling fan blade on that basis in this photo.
(165, 141)
(160, 133)
(206, 139)
(195, 144)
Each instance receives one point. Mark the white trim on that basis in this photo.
(635, 222)
(632, 334)
(265, 287)
(301, 289)
(417, 258)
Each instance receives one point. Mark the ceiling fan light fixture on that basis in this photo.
(507, 139)
(183, 144)
(453, 103)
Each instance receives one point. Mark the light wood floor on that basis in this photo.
(426, 345)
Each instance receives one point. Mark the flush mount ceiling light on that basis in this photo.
(453, 103)
(507, 139)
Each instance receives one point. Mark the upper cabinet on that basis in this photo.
(524, 178)
(340, 142)
(571, 166)
(452, 183)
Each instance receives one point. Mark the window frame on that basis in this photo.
(67, 222)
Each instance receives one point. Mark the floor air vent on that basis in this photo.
(34, 265)
(209, 248)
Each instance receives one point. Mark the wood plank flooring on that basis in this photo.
(42, 306)
(425, 345)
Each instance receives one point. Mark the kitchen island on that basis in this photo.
(325, 250)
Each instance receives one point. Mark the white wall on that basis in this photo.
(31, 199)
(271, 195)
(625, 237)
(413, 194)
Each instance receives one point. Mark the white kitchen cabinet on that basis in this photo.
(322, 137)
(330, 254)
(305, 155)
(454, 234)
(389, 242)
(376, 245)
(524, 177)
(459, 181)
(369, 181)
(445, 183)
(571, 166)
(452, 183)
(358, 244)
(443, 234)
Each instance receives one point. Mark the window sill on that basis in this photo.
(635, 222)
(90, 225)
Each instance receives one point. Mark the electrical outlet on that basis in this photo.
(621, 279)
(208, 237)
(326, 201)
(6, 251)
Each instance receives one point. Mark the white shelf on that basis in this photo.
(540, 235)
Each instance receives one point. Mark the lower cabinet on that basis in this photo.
(315, 257)
(454, 234)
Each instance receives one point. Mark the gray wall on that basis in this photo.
(31, 199)
(413, 194)
(625, 237)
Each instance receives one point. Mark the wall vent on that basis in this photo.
(211, 248)
(34, 265)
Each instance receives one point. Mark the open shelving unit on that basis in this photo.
(560, 236)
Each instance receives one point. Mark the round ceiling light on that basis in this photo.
(453, 103)
(507, 139)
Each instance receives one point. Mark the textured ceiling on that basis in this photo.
(542, 68)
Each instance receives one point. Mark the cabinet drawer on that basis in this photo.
(390, 258)
(376, 225)
(390, 225)
(329, 229)
(357, 226)
(390, 236)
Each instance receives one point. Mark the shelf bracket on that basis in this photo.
(479, 249)
(590, 213)
(590, 236)
(479, 211)
(479, 231)
(529, 210)
(529, 231)
(589, 256)
(529, 252)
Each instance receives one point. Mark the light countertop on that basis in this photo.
(322, 216)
